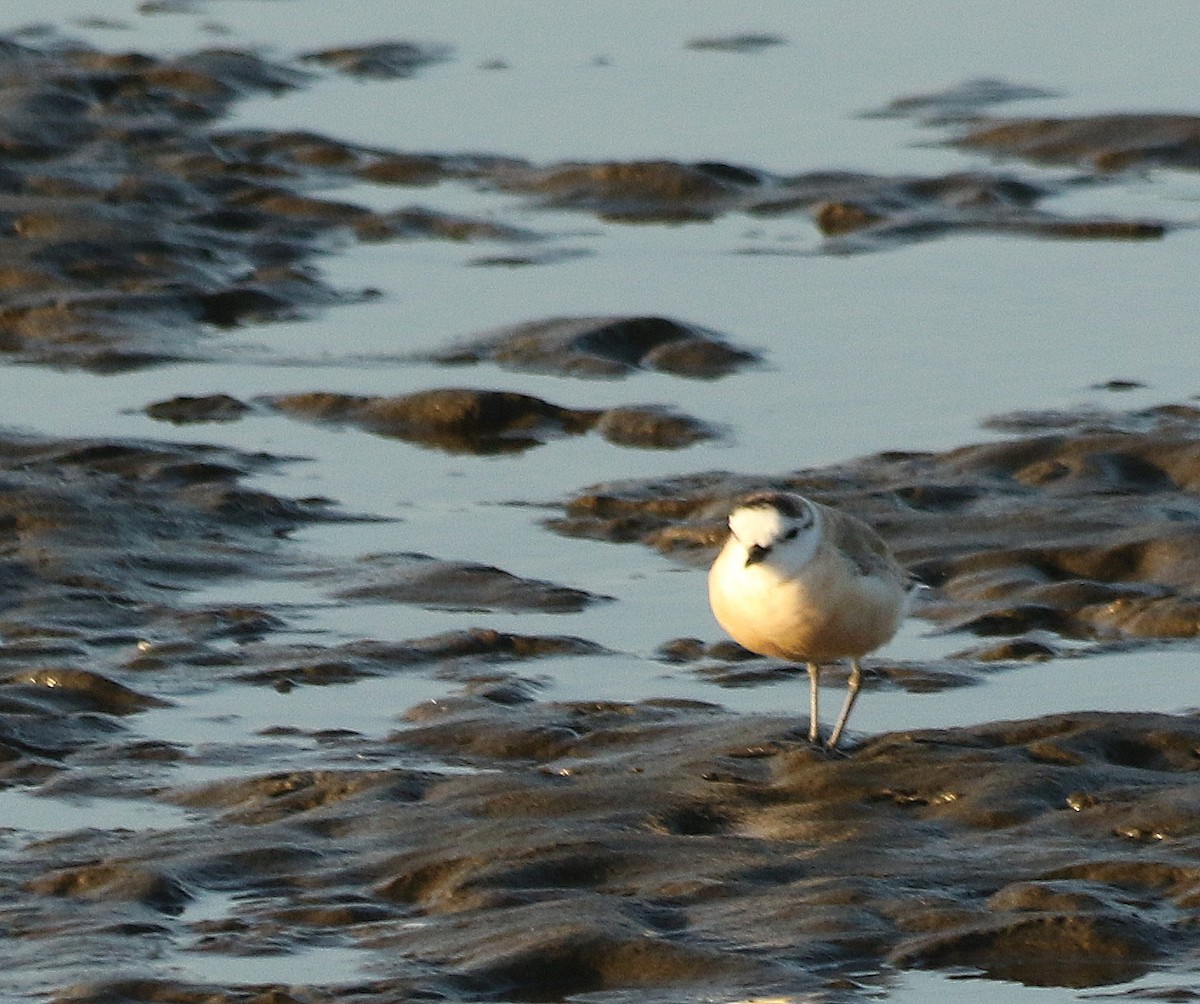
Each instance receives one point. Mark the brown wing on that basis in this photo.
(861, 544)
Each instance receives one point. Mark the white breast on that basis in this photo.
(824, 611)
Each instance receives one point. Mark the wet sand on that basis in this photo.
(496, 846)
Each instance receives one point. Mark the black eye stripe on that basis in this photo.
(791, 534)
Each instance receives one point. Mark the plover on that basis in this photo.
(800, 581)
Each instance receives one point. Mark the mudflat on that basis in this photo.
(494, 845)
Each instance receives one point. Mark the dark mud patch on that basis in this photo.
(879, 211)
(178, 231)
(667, 848)
(1102, 143)
(459, 585)
(1097, 145)
(962, 102)
(40, 726)
(1086, 526)
(185, 410)
(100, 541)
(379, 60)
(67, 691)
(476, 658)
(132, 231)
(827, 855)
(854, 212)
(662, 848)
(744, 43)
(900, 212)
(604, 347)
(540, 850)
(463, 420)
(99, 534)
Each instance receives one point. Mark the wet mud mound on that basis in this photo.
(482, 661)
(459, 585)
(458, 420)
(189, 409)
(117, 274)
(1099, 142)
(465, 420)
(378, 60)
(99, 542)
(666, 848)
(662, 848)
(726, 664)
(99, 533)
(1094, 144)
(604, 347)
(739, 43)
(964, 102)
(878, 210)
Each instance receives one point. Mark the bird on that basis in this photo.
(801, 581)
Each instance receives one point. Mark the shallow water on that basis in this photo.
(903, 349)
(29, 815)
(918, 985)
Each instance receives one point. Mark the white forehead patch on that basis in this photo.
(789, 531)
(761, 525)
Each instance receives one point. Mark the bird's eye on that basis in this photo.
(791, 534)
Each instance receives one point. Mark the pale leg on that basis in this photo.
(851, 697)
(814, 722)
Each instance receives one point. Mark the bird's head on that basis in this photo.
(776, 527)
